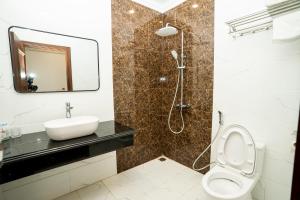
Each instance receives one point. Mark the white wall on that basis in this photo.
(89, 19)
(257, 85)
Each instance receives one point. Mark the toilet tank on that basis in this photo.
(260, 152)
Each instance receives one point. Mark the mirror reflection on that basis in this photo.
(49, 62)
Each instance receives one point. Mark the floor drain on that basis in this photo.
(162, 159)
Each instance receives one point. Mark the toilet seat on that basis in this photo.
(221, 183)
(235, 173)
(224, 184)
(236, 149)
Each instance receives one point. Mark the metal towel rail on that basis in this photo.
(260, 21)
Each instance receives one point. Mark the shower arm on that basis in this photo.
(169, 24)
(182, 42)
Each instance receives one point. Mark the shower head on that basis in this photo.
(174, 54)
(166, 31)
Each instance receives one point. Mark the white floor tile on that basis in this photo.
(125, 187)
(96, 191)
(70, 196)
(194, 193)
(154, 180)
(180, 183)
(162, 194)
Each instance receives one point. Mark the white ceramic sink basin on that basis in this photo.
(68, 128)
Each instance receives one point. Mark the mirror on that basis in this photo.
(51, 62)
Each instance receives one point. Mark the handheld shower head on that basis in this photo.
(174, 54)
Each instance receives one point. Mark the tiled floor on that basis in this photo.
(154, 180)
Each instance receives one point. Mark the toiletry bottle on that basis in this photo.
(3, 131)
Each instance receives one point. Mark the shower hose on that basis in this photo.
(209, 146)
(179, 80)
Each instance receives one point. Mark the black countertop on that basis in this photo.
(34, 153)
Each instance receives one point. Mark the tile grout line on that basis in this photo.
(108, 190)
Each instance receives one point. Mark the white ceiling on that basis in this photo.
(160, 5)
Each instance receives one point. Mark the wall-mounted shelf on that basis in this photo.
(260, 21)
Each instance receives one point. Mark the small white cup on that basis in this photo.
(15, 132)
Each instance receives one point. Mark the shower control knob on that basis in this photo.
(163, 79)
(183, 106)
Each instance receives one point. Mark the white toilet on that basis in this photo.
(239, 166)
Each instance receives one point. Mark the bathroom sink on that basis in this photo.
(68, 128)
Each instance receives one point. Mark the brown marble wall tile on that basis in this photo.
(155, 104)
(198, 49)
(142, 101)
(136, 69)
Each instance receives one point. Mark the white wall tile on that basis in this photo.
(259, 191)
(30, 111)
(257, 85)
(276, 191)
(83, 19)
(278, 171)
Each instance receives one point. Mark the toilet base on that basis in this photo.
(246, 197)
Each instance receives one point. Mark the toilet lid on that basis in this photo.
(236, 149)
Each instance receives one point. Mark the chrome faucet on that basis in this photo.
(68, 110)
